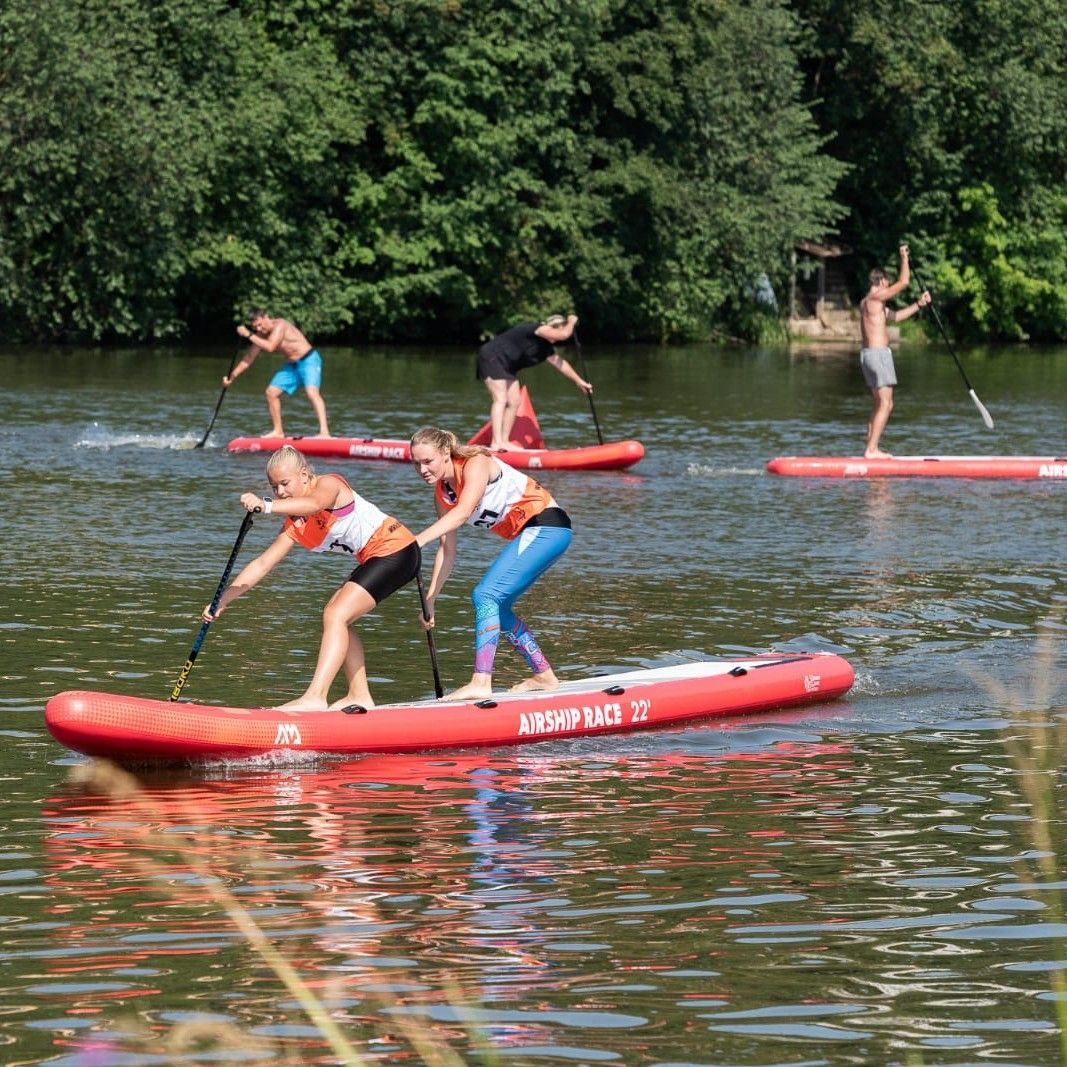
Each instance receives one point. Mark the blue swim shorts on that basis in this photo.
(306, 372)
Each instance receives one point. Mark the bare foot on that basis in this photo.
(469, 692)
(876, 453)
(502, 448)
(316, 435)
(303, 703)
(344, 702)
(273, 433)
(545, 680)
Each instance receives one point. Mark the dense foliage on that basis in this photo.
(435, 169)
(953, 118)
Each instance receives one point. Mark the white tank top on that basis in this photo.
(511, 499)
(345, 529)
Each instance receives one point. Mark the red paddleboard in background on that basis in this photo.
(921, 466)
(612, 455)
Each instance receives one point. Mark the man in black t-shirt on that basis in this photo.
(503, 356)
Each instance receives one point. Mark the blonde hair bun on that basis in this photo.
(286, 456)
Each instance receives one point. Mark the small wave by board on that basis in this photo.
(131, 729)
(921, 466)
(533, 455)
(104, 438)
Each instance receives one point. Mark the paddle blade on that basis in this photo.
(218, 406)
(986, 417)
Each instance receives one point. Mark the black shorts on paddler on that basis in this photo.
(492, 364)
(383, 575)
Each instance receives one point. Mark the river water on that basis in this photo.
(876, 880)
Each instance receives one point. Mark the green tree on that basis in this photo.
(101, 152)
(932, 102)
(705, 162)
(164, 164)
(462, 198)
(432, 169)
(990, 268)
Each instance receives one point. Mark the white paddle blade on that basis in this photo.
(986, 417)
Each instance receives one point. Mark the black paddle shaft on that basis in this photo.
(437, 687)
(982, 410)
(941, 327)
(218, 403)
(183, 675)
(585, 375)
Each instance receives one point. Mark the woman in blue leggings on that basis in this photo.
(472, 486)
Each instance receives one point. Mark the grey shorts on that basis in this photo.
(877, 367)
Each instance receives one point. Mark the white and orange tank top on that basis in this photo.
(360, 528)
(510, 500)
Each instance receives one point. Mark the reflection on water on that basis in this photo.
(796, 897)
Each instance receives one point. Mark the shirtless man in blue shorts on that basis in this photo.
(302, 366)
(876, 358)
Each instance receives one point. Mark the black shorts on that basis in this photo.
(383, 575)
(493, 365)
(549, 517)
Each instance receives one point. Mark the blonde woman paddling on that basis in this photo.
(471, 486)
(324, 514)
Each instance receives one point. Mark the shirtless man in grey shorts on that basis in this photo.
(876, 358)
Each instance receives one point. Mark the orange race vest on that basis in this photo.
(510, 500)
(360, 529)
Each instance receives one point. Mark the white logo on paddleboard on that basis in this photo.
(288, 734)
(563, 720)
(535, 462)
(812, 683)
(1052, 470)
(378, 451)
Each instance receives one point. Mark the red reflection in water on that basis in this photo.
(357, 867)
